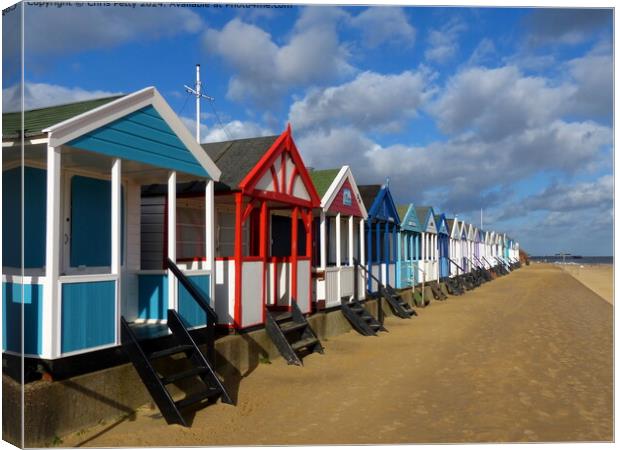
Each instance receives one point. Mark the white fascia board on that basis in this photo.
(69, 129)
(76, 126)
(344, 174)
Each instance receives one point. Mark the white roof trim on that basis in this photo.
(330, 195)
(76, 126)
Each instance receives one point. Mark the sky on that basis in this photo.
(504, 110)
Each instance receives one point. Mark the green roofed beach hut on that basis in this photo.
(340, 228)
(84, 166)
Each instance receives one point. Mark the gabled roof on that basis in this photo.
(379, 203)
(453, 228)
(463, 230)
(425, 215)
(237, 158)
(409, 220)
(440, 223)
(339, 182)
(141, 127)
(36, 120)
(322, 179)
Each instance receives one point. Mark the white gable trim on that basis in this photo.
(329, 197)
(77, 126)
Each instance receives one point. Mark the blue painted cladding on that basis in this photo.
(142, 136)
(34, 217)
(91, 234)
(11, 317)
(88, 315)
(404, 274)
(192, 314)
(152, 296)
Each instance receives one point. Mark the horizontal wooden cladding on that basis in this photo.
(141, 136)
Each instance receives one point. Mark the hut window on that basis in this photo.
(225, 237)
(191, 228)
(225, 234)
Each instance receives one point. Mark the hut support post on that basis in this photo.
(238, 263)
(294, 252)
(386, 252)
(350, 255)
(370, 255)
(362, 243)
(51, 304)
(263, 253)
(172, 237)
(115, 262)
(323, 241)
(338, 242)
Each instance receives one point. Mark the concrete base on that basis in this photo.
(54, 409)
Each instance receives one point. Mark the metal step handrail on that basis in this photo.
(460, 268)
(191, 288)
(487, 261)
(380, 315)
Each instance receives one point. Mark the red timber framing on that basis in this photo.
(279, 183)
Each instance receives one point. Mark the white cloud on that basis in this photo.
(593, 75)
(495, 103)
(41, 95)
(384, 24)
(573, 196)
(483, 52)
(443, 42)
(370, 101)
(77, 28)
(460, 174)
(265, 70)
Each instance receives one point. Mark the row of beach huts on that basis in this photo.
(133, 231)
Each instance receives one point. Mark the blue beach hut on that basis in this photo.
(381, 234)
(84, 235)
(409, 247)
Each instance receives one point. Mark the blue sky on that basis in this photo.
(504, 109)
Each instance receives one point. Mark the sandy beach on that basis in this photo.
(525, 358)
(598, 277)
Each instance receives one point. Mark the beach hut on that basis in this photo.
(478, 240)
(471, 234)
(340, 228)
(409, 247)
(381, 231)
(454, 247)
(429, 257)
(263, 216)
(443, 245)
(84, 165)
(463, 247)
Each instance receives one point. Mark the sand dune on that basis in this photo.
(527, 357)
